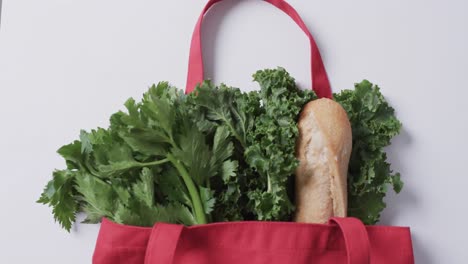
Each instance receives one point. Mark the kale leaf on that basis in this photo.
(373, 124)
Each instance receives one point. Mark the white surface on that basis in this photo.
(69, 64)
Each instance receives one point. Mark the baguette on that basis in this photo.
(323, 149)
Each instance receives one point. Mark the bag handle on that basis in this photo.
(320, 82)
(163, 243)
(164, 239)
(356, 239)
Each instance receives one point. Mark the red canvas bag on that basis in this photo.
(342, 240)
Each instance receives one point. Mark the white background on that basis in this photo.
(68, 64)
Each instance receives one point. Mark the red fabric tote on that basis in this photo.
(342, 240)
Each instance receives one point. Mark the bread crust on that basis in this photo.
(323, 149)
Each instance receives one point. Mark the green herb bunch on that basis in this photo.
(217, 154)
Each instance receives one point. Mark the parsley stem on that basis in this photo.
(268, 183)
(196, 201)
(157, 162)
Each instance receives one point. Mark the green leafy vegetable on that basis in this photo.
(374, 124)
(217, 154)
(271, 143)
(60, 194)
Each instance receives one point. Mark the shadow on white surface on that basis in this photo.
(421, 252)
(406, 200)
